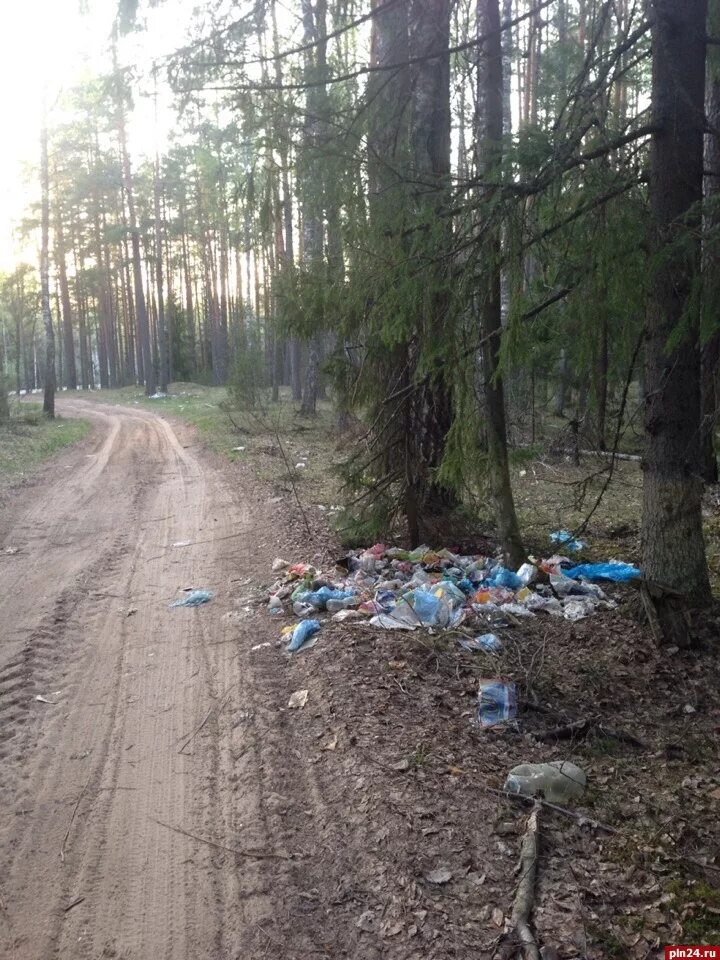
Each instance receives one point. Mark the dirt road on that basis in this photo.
(98, 778)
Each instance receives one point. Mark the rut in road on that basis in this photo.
(94, 781)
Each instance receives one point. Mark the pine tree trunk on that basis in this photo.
(673, 549)
(710, 357)
(70, 369)
(162, 328)
(314, 21)
(489, 160)
(49, 393)
(148, 369)
(432, 408)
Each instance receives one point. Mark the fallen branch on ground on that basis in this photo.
(580, 817)
(216, 709)
(581, 728)
(519, 924)
(251, 854)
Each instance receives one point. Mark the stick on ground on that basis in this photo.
(519, 925)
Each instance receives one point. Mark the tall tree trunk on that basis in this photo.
(489, 135)
(673, 549)
(162, 329)
(49, 393)
(314, 16)
(70, 369)
(710, 357)
(432, 409)
(148, 369)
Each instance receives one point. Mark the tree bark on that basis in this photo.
(710, 357)
(49, 374)
(673, 549)
(489, 135)
(148, 369)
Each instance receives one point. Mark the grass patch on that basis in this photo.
(30, 438)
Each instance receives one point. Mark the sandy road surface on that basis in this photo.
(91, 783)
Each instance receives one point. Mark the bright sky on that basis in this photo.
(53, 42)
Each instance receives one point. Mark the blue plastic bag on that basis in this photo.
(505, 578)
(426, 606)
(567, 540)
(302, 633)
(193, 599)
(619, 572)
(319, 598)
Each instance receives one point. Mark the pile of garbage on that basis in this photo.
(396, 589)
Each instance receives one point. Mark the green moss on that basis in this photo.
(698, 906)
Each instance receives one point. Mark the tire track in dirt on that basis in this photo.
(97, 770)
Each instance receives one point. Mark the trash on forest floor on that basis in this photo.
(193, 599)
(489, 642)
(42, 699)
(396, 589)
(613, 570)
(497, 702)
(557, 781)
(182, 543)
(303, 635)
(567, 540)
(298, 699)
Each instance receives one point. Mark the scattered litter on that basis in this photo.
(42, 699)
(182, 543)
(193, 599)
(497, 702)
(567, 540)
(259, 646)
(302, 636)
(558, 781)
(300, 466)
(439, 876)
(578, 609)
(11, 551)
(238, 449)
(298, 699)
(489, 642)
(275, 606)
(394, 589)
(342, 615)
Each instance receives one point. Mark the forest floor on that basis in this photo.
(159, 798)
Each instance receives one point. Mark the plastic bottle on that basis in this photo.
(557, 781)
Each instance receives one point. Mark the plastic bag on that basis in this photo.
(614, 570)
(501, 577)
(302, 633)
(567, 540)
(319, 598)
(489, 642)
(497, 702)
(193, 599)
(429, 608)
